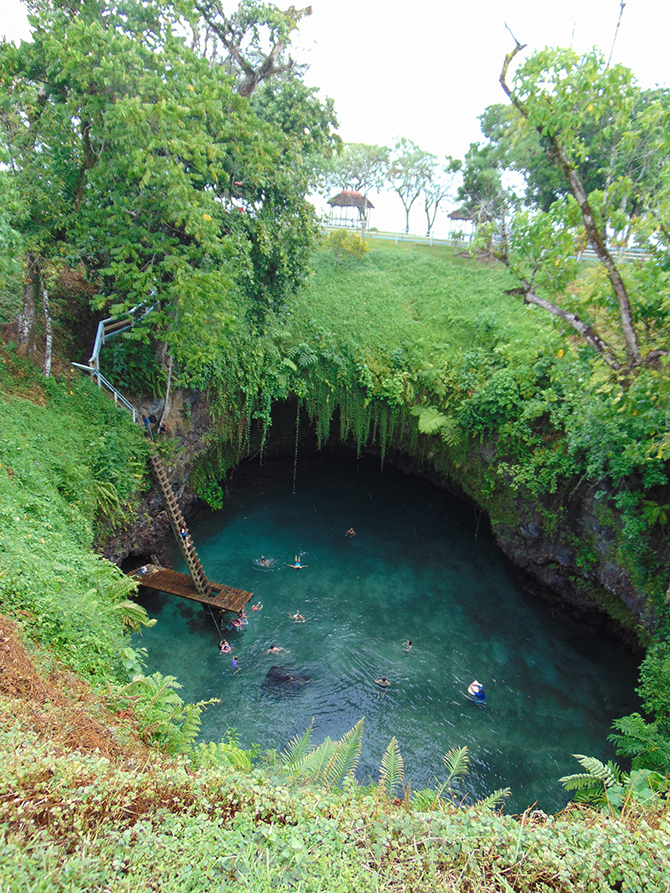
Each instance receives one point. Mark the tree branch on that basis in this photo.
(595, 237)
(584, 329)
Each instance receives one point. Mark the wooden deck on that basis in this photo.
(225, 598)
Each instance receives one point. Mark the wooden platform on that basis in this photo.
(225, 598)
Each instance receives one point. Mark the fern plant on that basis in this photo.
(330, 763)
(457, 764)
(608, 787)
(392, 770)
(133, 616)
(164, 719)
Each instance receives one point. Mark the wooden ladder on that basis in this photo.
(178, 524)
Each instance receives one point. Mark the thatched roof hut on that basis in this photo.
(462, 225)
(461, 214)
(350, 208)
(348, 198)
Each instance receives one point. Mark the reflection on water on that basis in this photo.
(419, 569)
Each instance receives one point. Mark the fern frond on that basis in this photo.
(314, 765)
(133, 616)
(191, 726)
(235, 756)
(426, 800)
(609, 774)
(347, 753)
(212, 755)
(578, 781)
(457, 762)
(430, 419)
(392, 769)
(494, 799)
(297, 749)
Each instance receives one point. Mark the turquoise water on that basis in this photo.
(419, 568)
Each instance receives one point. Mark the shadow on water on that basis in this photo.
(419, 568)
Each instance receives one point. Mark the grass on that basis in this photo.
(419, 300)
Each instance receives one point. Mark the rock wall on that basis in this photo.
(149, 533)
(570, 562)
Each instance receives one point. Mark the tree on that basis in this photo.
(252, 43)
(484, 196)
(307, 121)
(565, 97)
(437, 188)
(410, 170)
(134, 155)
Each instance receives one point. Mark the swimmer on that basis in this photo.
(297, 563)
(257, 607)
(235, 664)
(476, 690)
(275, 649)
(297, 617)
(242, 615)
(383, 681)
(350, 533)
(407, 646)
(264, 562)
(224, 647)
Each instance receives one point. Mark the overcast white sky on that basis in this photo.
(425, 69)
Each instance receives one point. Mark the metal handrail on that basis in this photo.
(111, 326)
(102, 381)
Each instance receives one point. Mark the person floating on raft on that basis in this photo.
(238, 622)
(476, 691)
(224, 647)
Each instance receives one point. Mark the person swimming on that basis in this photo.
(275, 649)
(257, 607)
(297, 617)
(407, 646)
(383, 681)
(297, 562)
(476, 691)
(350, 533)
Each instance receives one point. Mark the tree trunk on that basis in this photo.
(599, 246)
(48, 334)
(26, 320)
(166, 404)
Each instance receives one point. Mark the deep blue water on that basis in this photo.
(420, 568)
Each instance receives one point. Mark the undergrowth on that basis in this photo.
(70, 464)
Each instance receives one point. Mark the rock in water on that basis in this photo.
(281, 676)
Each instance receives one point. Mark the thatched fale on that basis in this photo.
(350, 199)
(461, 214)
